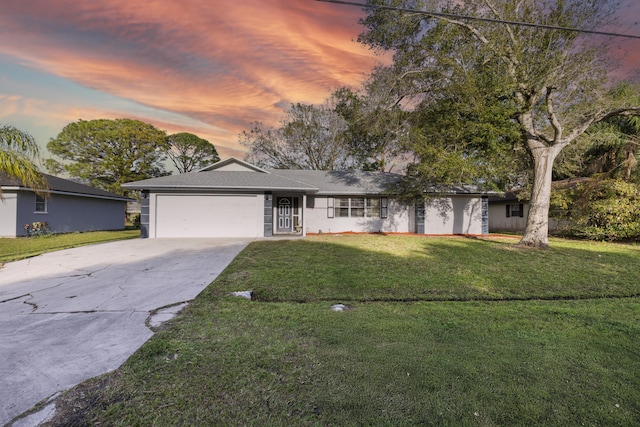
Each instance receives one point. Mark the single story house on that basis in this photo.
(66, 206)
(233, 198)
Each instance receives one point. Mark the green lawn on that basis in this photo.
(438, 332)
(25, 247)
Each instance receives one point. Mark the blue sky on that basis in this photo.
(208, 67)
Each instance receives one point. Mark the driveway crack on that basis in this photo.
(32, 304)
(16, 298)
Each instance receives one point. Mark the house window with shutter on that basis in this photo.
(515, 210)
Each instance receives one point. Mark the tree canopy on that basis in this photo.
(107, 153)
(18, 150)
(482, 92)
(309, 137)
(189, 152)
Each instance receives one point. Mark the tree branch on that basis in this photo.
(552, 116)
(507, 26)
(598, 117)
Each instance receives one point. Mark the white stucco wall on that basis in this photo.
(317, 220)
(8, 214)
(498, 220)
(453, 215)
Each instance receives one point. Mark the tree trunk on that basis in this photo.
(536, 234)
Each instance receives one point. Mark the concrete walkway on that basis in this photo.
(71, 315)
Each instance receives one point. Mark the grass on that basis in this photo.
(438, 332)
(25, 247)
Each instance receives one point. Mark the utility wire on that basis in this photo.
(473, 18)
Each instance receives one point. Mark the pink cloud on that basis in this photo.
(233, 62)
(218, 64)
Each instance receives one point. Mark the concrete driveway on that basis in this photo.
(74, 314)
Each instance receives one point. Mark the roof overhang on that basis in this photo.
(219, 188)
(67, 193)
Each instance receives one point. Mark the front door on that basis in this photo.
(284, 217)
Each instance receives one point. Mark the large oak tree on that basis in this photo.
(553, 84)
(107, 153)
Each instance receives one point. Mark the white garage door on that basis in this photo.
(207, 216)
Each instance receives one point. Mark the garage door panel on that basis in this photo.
(206, 216)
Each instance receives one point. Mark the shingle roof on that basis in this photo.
(217, 177)
(222, 180)
(343, 182)
(61, 185)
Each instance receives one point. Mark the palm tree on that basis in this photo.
(17, 149)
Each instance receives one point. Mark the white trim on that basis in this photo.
(222, 163)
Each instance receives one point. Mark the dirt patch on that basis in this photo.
(75, 407)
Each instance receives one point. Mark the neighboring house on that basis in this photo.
(233, 198)
(67, 207)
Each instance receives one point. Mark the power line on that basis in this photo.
(473, 18)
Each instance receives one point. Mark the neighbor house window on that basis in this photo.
(516, 210)
(359, 207)
(41, 204)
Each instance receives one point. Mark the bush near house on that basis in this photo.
(38, 228)
(600, 210)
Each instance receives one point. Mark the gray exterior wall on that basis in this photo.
(268, 214)
(144, 214)
(67, 213)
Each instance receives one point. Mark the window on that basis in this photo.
(373, 208)
(342, 206)
(515, 211)
(41, 204)
(357, 207)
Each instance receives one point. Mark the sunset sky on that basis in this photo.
(209, 67)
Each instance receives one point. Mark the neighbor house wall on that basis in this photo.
(67, 213)
(453, 215)
(8, 215)
(317, 219)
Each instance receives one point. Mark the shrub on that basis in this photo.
(135, 220)
(602, 210)
(38, 228)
